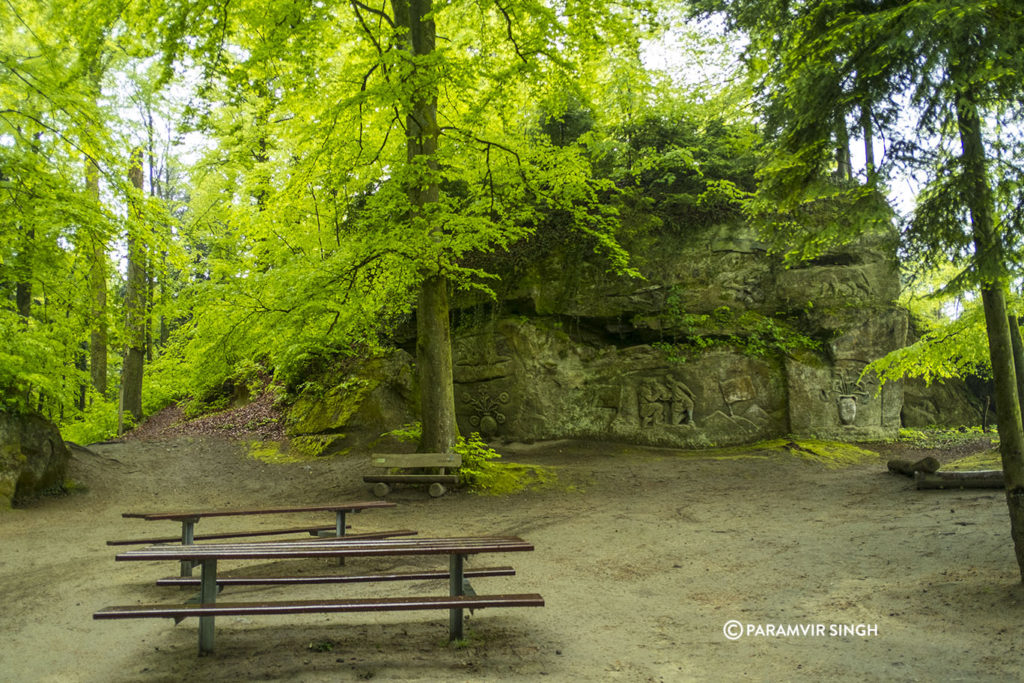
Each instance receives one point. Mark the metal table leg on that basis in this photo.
(188, 538)
(207, 596)
(455, 587)
(339, 531)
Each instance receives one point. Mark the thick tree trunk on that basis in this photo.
(97, 292)
(1018, 358)
(135, 317)
(433, 333)
(991, 268)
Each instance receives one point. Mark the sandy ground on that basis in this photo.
(643, 556)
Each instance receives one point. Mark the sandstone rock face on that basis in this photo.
(355, 407)
(946, 403)
(33, 457)
(719, 344)
(713, 347)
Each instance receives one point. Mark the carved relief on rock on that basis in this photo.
(847, 390)
(487, 413)
(665, 402)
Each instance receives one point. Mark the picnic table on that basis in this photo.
(189, 518)
(208, 555)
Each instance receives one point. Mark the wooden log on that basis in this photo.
(980, 479)
(908, 468)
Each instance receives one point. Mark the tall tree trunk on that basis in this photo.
(82, 364)
(991, 267)
(135, 316)
(23, 287)
(844, 168)
(433, 332)
(1018, 358)
(97, 291)
(867, 129)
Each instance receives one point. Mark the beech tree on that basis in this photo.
(364, 151)
(947, 76)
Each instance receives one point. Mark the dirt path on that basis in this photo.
(643, 555)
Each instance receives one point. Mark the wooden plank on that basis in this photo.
(428, 575)
(227, 534)
(364, 535)
(329, 548)
(981, 479)
(405, 460)
(320, 606)
(411, 478)
(343, 507)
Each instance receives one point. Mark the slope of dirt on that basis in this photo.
(643, 556)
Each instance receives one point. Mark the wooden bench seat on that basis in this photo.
(223, 609)
(444, 463)
(360, 578)
(313, 530)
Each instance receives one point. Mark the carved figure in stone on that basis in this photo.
(652, 412)
(847, 393)
(487, 416)
(682, 403)
(665, 402)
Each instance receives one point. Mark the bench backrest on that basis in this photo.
(416, 460)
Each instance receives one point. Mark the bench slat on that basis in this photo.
(367, 535)
(361, 578)
(228, 534)
(344, 507)
(416, 460)
(320, 606)
(338, 547)
(411, 478)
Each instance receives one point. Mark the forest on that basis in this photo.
(202, 194)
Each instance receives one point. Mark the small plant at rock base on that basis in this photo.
(481, 474)
(407, 433)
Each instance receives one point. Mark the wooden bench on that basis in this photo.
(458, 599)
(314, 579)
(189, 518)
(446, 465)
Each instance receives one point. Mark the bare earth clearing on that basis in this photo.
(642, 555)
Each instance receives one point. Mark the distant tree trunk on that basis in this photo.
(82, 364)
(23, 287)
(148, 307)
(97, 292)
(433, 331)
(867, 129)
(991, 268)
(843, 166)
(135, 316)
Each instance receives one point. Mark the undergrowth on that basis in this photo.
(944, 437)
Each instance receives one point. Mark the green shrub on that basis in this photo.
(481, 474)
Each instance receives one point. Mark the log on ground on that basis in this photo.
(981, 479)
(907, 467)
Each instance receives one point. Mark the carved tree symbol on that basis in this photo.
(486, 410)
